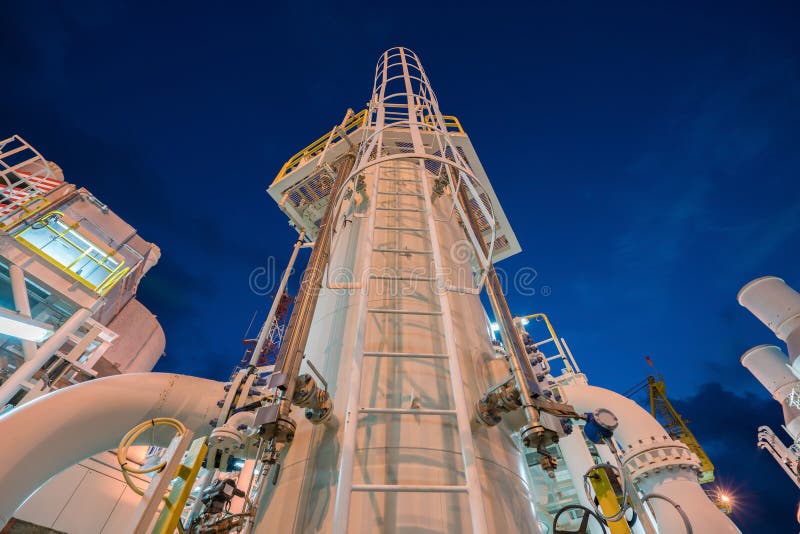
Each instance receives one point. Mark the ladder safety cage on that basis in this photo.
(403, 130)
(404, 102)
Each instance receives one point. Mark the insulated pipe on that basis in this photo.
(777, 306)
(578, 460)
(533, 433)
(296, 337)
(770, 366)
(19, 292)
(47, 435)
(656, 462)
(48, 348)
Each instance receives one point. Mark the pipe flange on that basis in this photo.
(225, 438)
(657, 454)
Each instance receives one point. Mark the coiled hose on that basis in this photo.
(623, 508)
(130, 438)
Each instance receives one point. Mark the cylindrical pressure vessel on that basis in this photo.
(770, 366)
(777, 306)
(401, 339)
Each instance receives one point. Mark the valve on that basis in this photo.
(219, 494)
(315, 400)
(600, 425)
(502, 398)
(548, 462)
(583, 528)
(440, 184)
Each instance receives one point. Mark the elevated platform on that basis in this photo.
(302, 186)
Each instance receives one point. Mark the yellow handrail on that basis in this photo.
(546, 322)
(356, 121)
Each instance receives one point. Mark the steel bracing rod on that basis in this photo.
(520, 365)
(294, 340)
(783, 456)
(262, 335)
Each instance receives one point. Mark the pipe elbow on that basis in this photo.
(90, 418)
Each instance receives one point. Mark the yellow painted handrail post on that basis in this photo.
(607, 500)
(176, 500)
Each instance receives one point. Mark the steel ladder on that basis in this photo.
(424, 228)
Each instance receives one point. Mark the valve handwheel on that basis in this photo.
(583, 528)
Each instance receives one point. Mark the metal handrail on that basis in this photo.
(451, 123)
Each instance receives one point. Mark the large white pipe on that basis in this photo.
(45, 436)
(578, 461)
(19, 292)
(771, 367)
(656, 462)
(53, 343)
(778, 306)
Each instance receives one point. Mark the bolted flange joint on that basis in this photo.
(315, 400)
(500, 399)
(657, 454)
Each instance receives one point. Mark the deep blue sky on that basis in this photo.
(645, 153)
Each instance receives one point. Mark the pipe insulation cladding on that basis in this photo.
(771, 367)
(656, 462)
(43, 437)
(777, 306)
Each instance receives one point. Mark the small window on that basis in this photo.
(60, 241)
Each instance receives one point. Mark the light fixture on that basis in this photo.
(15, 325)
(524, 321)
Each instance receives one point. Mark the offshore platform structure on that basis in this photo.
(69, 271)
(777, 305)
(389, 406)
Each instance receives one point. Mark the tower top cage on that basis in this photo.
(388, 130)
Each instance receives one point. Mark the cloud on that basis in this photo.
(725, 422)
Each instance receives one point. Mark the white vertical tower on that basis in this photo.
(403, 291)
(400, 334)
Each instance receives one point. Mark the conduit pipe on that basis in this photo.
(43, 353)
(533, 434)
(656, 462)
(45, 436)
(777, 306)
(296, 337)
(578, 460)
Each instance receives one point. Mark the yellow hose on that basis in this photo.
(130, 437)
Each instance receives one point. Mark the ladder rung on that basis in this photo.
(403, 250)
(399, 194)
(409, 488)
(413, 210)
(406, 411)
(401, 277)
(403, 312)
(430, 355)
(401, 228)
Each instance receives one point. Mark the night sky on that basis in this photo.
(645, 154)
